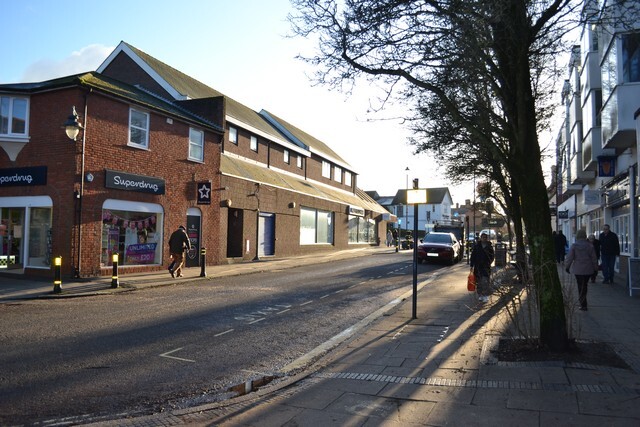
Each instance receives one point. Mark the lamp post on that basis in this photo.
(72, 128)
(406, 220)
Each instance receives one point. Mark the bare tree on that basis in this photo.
(482, 65)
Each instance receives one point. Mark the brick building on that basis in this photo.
(159, 149)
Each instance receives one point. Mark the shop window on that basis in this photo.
(40, 238)
(316, 226)
(196, 145)
(138, 128)
(361, 230)
(135, 236)
(14, 116)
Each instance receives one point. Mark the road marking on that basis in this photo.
(324, 296)
(222, 333)
(353, 286)
(176, 358)
(256, 321)
(337, 292)
(305, 303)
(283, 311)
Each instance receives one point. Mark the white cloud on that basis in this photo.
(86, 59)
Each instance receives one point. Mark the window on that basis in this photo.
(361, 230)
(631, 57)
(254, 143)
(233, 135)
(621, 226)
(347, 178)
(13, 116)
(138, 128)
(196, 144)
(40, 238)
(135, 235)
(326, 169)
(316, 226)
(286, 156)
(337, 174)
(299, 161)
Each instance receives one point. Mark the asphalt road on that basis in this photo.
(69, 360)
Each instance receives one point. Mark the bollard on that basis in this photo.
(57, 281)
(203, 257)
(114, 276)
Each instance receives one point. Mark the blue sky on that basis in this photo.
(237, 47)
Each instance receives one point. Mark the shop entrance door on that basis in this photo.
(266, 234)
(12, 238)
(193, 230)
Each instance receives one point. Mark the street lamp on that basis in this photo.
(72, 128)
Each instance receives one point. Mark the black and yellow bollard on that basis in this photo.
(203, 262)
(114, 276)
(57, 281)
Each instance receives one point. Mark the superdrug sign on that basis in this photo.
(132, 182)
(23, 176)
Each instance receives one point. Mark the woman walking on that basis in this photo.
(583, 263)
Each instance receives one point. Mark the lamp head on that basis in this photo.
(72, 126)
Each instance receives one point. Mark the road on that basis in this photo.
(182, 345)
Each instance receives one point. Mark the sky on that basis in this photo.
(240, 48)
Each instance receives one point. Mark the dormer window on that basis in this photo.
(13, 116)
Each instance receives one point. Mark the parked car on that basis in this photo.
(443, 247)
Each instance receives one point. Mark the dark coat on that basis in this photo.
(609, 244)
(179, 241)
(481, 259)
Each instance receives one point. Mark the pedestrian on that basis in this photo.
(178, 243)
(395, 237)
(482, 257)
(583, 263)
(389, 238)
(560, 246)
(609, 250)
(596, 246)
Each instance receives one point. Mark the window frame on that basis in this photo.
(11, 116)
(233, 135)
(286, 156)
(253, 143)
(144, 131)
(197, 145)
(337, 174)
(326, 169)
(347, 178)
(299, 161)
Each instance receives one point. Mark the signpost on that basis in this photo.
(415, 197)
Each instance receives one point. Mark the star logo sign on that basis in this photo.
(204, 191)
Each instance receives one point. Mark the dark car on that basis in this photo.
(440, 247)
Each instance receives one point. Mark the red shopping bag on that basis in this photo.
(471, 282)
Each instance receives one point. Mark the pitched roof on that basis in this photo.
(117, 88)
(435, 196)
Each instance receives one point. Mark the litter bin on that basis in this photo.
(501, 254)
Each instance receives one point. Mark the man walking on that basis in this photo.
(481, 259)
(178, 243)
(609, 250)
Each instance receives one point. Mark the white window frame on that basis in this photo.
(299, 161)
(326, 169)
(337, 174)
(10, 116)
(287, 158)
(253, 143)
(347, 178)
(143, 130)
(196, 144)
(233, 135)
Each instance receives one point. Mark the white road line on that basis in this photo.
(337, 292)
(324, 296)
(353, 286)
(305, 303)
(256, 321)
(222, 333)
(176, 358)
(283, 311)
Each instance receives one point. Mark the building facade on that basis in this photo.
(157, 150)
(597, 149)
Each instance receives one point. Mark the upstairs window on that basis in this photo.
(254, 143)
(299, 161)
(233, 135)
(138, 128)
(326, 169)
(286, 156)
(196, 145)
(347, 178)
(631, 57)
(13, 116)
(337, 174)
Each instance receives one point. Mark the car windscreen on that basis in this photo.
(437, 238)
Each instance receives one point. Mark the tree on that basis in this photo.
(482, 62)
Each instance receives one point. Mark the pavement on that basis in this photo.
(436, 369)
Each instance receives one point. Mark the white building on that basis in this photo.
(437, 210)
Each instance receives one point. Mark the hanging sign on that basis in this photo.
(203, 193)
